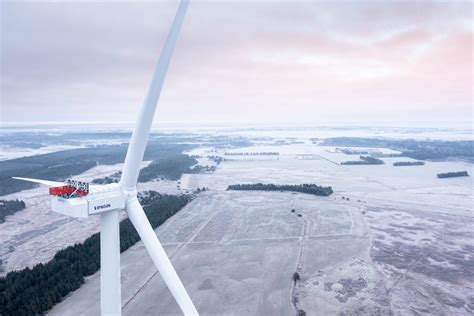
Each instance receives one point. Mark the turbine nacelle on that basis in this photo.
(101, 198)
(80, 199)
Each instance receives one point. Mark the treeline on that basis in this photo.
(68, 163)
(302, 188)
(10, 208)
(364, 160)
(416, 149)
(202, 169)
(113, 178)
(349, 151)
(216, 159)
(386, 155)
(408, 163)
(34, 140)
(453, 174)
(253, 154)
(35, 291)
(375, 154)
(171, 167)
(147, 197)
(282, 142)
(15, 137)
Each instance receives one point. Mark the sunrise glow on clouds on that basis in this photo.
(241, 61)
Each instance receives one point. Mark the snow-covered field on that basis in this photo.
(389, 240)
(382, 184)
(36, 233)
(7, 152)
(11, 152)
(235, 252)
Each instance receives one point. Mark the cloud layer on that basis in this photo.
(239, 61)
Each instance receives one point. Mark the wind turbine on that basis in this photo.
(77, 199)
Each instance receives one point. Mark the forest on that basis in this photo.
(170, 167)
(34, 291)
(349, 151)
(408, 163)
(302, 188)
(453, 174)
(64, 164)
(10, 208)
(44, 138)
(216, 159)
(202, 169)
(416, 149)
(67, 163)
(113, 178)
(364, 160)
(253, 154)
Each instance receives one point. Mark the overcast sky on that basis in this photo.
(243, 61)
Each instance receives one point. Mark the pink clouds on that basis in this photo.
(277, 60)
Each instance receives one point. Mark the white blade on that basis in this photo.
(158, 255)
(137, 145)
(45, 182)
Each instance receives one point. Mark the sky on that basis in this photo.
(242, 61)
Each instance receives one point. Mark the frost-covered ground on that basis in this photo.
(236, 254)
(389, 240)
(8, 152)
(12, 152)
(36, 233)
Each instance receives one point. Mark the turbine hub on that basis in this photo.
(129, 193)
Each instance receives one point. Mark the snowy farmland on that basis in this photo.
(389, 240)
(236, 253)
(36, 233)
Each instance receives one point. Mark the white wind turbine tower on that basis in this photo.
(75, 199)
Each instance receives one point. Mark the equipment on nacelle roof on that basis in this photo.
(72, 189)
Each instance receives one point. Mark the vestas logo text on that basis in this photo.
(100, 207)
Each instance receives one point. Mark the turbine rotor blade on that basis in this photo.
(45, 182)
(139, 139)
(138, 218)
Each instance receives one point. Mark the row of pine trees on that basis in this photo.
(35, 291)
